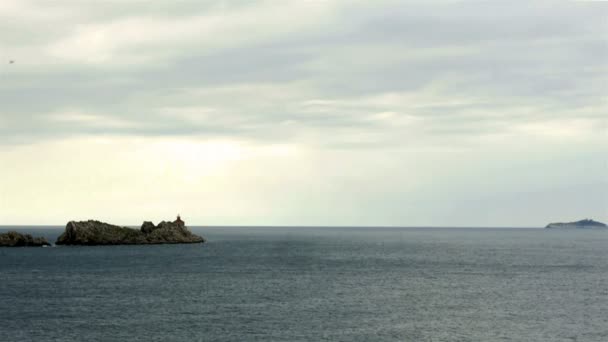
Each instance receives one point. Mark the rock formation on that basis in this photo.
(14, 239)
(582, 224)
(99, 233)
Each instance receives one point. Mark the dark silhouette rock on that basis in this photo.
(147, 227)
(14, 239)
(582, 224)
(99, 233)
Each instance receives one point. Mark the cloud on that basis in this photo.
(136, 63)
(136, 38)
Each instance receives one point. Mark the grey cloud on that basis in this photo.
(505, 56)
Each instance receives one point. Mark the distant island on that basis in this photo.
(582, 224)
(14, 239)
(93, 232)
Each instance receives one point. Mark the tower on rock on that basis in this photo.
(179, 221)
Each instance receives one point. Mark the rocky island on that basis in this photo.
(14, 239)
(92, 232)
(582, 224)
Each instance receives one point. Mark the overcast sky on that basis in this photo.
(419, 113)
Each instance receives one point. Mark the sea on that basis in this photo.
(313, 284)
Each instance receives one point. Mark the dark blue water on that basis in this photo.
(307, 284)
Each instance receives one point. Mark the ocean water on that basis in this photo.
(314, 284)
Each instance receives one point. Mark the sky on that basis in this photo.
(331, 113)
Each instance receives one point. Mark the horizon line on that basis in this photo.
(301, 226)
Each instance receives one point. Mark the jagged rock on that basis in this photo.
(99, 233)
(582, 224)
(147, 227)
(14, 239)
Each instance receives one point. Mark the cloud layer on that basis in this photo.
(420, 106)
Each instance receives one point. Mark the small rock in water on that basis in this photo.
(14, 239)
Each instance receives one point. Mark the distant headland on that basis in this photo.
(93, 232)
(14, 239)
(582, 224)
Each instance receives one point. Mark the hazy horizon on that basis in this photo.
(297, 113)
(198, 225)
